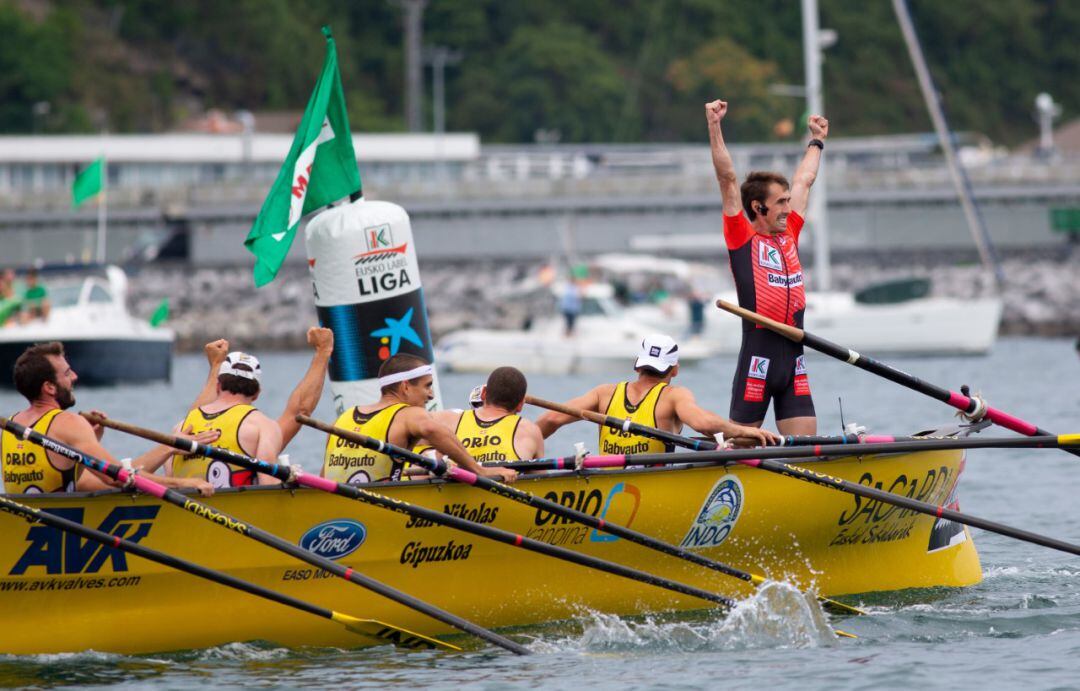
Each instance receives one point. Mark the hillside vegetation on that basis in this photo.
(591, 70)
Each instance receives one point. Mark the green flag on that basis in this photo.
(88, 182)
(161, 314)
(320, 169)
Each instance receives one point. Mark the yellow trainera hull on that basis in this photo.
(58, 593)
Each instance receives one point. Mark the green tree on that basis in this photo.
(35, 67)
(555, 77)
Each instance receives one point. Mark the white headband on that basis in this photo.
(409, 375)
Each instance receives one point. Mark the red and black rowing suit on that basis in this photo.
(769, 281)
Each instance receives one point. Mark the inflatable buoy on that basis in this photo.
(367, 291)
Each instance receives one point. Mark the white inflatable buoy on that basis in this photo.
(367, 291)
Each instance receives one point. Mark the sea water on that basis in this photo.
(1020, 626)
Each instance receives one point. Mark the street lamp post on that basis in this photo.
(817, 214)
(439, 57)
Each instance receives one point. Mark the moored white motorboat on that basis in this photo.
(604, 337)
(102, 341)
(921, 326)
(908, 323)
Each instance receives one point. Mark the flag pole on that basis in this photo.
(103, 202)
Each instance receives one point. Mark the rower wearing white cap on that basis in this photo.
(244, 429)
(653, 401)
(400, 418)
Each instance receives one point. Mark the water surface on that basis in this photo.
(1021, 625)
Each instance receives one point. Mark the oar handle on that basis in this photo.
(149, 434)
(191, 446)
(552, 405)
(791, 332)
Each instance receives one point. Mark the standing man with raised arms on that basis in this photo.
(762, 222)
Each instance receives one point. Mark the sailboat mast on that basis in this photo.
(956, 171)
(103, 198)
(817, 214)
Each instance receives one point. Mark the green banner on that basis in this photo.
(320, 169)
(88, 183)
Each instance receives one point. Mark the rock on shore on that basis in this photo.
(1041, 295)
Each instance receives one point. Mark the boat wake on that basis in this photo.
(778, 615)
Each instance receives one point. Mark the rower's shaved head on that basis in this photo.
(506, 388)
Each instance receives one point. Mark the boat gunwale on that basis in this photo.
(585, 473)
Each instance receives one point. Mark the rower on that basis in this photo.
(44, 377)
(400, 418)
(653, 401)
(495, 429)
(762, 222)
(476, 400)
(244, 429)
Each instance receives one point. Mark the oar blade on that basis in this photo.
(837, 607)
(388, 633)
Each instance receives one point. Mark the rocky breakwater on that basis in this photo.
(1042, 295)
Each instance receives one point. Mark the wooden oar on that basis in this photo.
(703, 444)
(960, 401)
(765, 460)
(144, 484)
(293, 474)
(514, 494)
(624, 425)
(369, 628)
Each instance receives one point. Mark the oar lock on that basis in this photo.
(580, 453)
(981, 406)
(129, 483)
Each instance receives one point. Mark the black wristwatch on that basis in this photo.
(818, 143)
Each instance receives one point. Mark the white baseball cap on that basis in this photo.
(241, 365)
(658, 351)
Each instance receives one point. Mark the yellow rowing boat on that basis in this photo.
(59, 593)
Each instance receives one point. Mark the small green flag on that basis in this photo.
(320, 169)
(161, 314)
(88, 182)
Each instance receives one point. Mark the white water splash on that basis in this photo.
(65, 658)
(778, 615)
(243, 651)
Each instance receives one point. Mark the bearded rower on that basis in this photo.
(651, 400)
(400, 418)
(44, 377)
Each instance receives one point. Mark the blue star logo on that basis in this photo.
(398, 329)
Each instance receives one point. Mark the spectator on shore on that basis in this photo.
(570, 304)
(35, 301)
(9, 302)
(695, 303)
